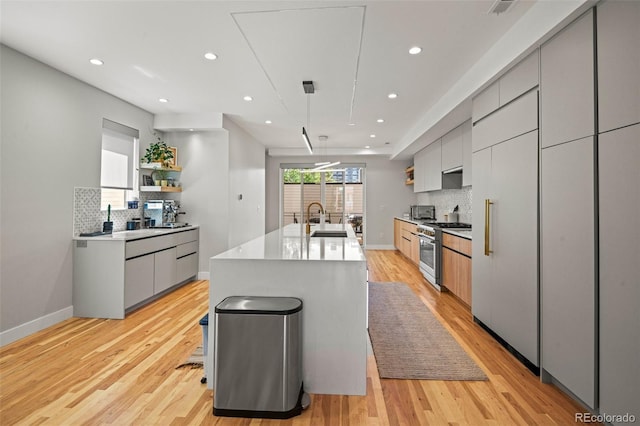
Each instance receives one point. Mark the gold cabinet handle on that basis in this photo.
(487, 225)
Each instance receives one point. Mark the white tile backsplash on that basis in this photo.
(87, 216)
(446, 199)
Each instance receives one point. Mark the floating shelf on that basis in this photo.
(161, 188)
(409, 172)
(158, 166)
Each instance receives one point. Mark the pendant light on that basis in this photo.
(324, 164)
(308, 89)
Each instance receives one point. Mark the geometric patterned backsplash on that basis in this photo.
(87, 216)
(445, 200)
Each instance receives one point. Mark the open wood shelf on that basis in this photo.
(161, 188)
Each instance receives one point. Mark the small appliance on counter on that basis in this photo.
(162, 214)
(423, 212)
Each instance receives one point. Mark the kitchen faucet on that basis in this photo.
(309, 213)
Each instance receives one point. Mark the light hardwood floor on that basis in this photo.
(121, 372)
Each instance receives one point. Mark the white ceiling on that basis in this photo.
(356, 52)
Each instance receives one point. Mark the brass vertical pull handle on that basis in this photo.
(487, 225)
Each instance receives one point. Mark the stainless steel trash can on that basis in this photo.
(258, 357)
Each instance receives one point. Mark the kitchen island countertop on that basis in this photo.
(291, 243)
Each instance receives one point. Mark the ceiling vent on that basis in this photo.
(308, 87)
(500, 6)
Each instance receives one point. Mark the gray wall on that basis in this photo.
(51, 143)
(217, 166)
(246, 177)
(204, 157)
(386, 194)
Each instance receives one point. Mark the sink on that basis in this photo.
(329, 234)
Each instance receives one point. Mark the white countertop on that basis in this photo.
(464, 233)
(136, 234)
(291, 243)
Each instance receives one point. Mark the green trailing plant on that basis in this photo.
(158, 152)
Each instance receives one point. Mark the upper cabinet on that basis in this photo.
(520, 79)
(566, 84)
(618, 64)
(419, 171)
(452, 149)
(523, 77)
(433, 166)
(520, 117)
(466, 153)
(486, 102)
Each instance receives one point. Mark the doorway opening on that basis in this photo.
(341, 191)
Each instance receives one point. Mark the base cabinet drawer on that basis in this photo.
(187, 267)
(456, 274)
(138, 280)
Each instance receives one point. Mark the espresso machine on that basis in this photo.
(162, 214)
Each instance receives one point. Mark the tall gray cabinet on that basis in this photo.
(505, 205)
(618, 41)
(590, 226)
(568, 292)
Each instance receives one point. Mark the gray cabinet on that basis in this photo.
(427, 168)
(419, 171)
(567, 194)
(486, 102)
(618, 64)
(467, 165)
(138, 280)
(452, 149)
(619, 174)
(165, 269)
(520, 79)
(568, 266)
(517, 118)
(567, 84)
(505, 281)
(114, 275)
(433, 166)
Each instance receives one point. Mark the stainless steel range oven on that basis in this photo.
(428, 253)
(431, 248)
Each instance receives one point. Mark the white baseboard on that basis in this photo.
(203, 275)
(28, 328)
(380, 247)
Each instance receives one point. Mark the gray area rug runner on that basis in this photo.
(408, 340)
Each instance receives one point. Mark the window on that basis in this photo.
(119, 160)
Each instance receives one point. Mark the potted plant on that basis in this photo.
(160, 177)
(158, 152)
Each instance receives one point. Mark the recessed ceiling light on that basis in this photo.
(367, 146)
(352, 124)
(380, 120)
(392, 95)
(248, 98)
(96, 61)
(372, 136)
(211, 56)
(163, 100)
(267, 122)
(191, 130)
(415, 50)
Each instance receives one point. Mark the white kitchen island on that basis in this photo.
(329, 275)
